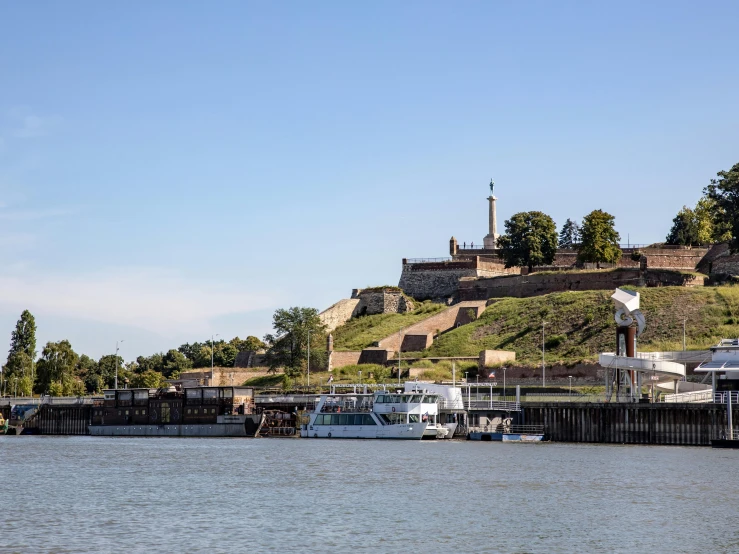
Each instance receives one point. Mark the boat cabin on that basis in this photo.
(172, 405)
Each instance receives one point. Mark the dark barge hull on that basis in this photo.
(725, 443)
(238, 426)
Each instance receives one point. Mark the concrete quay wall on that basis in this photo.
(623, 423)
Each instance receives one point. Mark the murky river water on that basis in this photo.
(84, 494)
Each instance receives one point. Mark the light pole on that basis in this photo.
(504, 395)
(400, 349)
(360, 377)
(309, 358)
(684, 320)
(15, 390)
(570, 376)
(116, 362)
(543, 365)
(212, 349)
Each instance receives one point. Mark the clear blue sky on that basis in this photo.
(170, 170)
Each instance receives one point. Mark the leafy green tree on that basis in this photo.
(148, 379)
(569, 236)
(249, 344)
(530, 240)
(288, 345)
(685, 230)
(93, 383)
(107, 370)
(174, 363)
(22, 351)
(23, 337)
(155, 362)
(724, 191)
(599, 241)
(57, 364)
(225, 355)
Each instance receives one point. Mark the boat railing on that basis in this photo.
(492, 405)
(508, 429)
(723, 397)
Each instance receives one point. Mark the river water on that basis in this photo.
(85, 494)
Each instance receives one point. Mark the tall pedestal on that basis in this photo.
(491, 239)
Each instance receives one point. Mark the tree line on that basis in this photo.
(531, 238)
(60, 371)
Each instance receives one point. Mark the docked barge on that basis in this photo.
(177, 412)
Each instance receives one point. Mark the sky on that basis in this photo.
(173, 170)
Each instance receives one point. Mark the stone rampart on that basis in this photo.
(338, 314)
(459, 314)
(537, 284)
(340, 359)
(489, 358)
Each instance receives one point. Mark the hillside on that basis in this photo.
(362, 332)
(580, 324)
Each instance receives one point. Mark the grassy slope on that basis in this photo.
(580, 324)
(361, 332)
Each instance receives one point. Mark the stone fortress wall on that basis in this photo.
(382, 300)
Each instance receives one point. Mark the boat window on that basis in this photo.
(416, 398)
(210, 393)
(334, 419)
(396, 399)
(367, 420)
(413, 418)
(143, 412)
(189, 410)
(320, 418)
(357, 419)
(343, 419)
(380, 399)
(227, 393)
(405, 398)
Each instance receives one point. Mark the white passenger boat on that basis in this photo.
(450, 406)
(382, 415)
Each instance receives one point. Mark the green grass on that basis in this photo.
(264, 381)
(583, 324)
(361, 332)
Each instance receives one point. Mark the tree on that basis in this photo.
(599, 242)
(288, 346)
(22, 351)
(57, 365)
(530, 240)
(174, 362)
(107, 370)
(155, 362)
(724, 191)
(249, 344)
(225, 355)
(569, 236)
(685, 230)
(148, 380)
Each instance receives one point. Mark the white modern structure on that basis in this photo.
(381, 415)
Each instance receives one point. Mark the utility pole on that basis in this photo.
(309, 358)
(684, 320)
(400, 349)
(543, 365)
(212, 349)
(116, 363)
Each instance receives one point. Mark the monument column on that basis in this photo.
(491, 239)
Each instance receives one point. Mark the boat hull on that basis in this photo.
(238, 426)
(411, 431)
(504, 437)
(724, 443)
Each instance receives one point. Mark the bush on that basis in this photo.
(554, 341)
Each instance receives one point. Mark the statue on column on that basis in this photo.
(492, 187)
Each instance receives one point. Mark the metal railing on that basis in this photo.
(507, 429)
(723, 397)
(427, 260)
(697, 396)
(477, 404)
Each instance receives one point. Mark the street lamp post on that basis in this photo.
(309, 358)
(543, 365)
(116, 362)
(570, 376)
(360, 377)
(400, 349)
(504, 395)
(684, 348)
(212, 349)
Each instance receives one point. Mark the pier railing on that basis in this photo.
(475, 404)
(722, 397)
